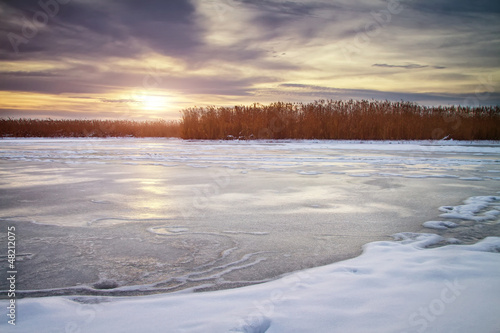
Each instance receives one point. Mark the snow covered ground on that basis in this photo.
(394, 286)
(134, 216)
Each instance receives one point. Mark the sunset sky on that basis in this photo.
(150, 59)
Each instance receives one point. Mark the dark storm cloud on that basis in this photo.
(280, 17)
(168, 27)
(93, 31)
(285, 9)
(97, 29)
(448, 7)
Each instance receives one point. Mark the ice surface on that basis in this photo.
(140, 216)
(290, 204)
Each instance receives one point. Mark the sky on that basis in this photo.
(148, 59)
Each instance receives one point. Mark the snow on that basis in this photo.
(440, 225)
(472, 206)
(394, 286)
(472, 178)
(308, 173)
(360, 175)
(254, 154)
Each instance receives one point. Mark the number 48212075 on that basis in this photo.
(11, 246)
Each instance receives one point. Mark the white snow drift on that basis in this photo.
(394, 286)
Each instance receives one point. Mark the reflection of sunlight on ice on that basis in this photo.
(153, 199)
(150, 206)
(154, 187)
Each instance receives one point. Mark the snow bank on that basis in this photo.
(394, 286)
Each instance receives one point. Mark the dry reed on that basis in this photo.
(324, 119)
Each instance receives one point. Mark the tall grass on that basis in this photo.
(347, 120)
(361, 120)
(88, 128)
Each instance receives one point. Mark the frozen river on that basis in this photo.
(138, 216)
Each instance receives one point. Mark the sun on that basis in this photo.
(152, 102)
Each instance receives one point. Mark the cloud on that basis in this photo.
(409, 66)
(454, 8)
(99, 29)
(246, 48)
(120, 101)
(298, 19)
(27, 74)
(301, 92)
(90, 79)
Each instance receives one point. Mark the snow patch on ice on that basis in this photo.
(308, 173)
(440, 225)
(255, 233)
(360, 175)
(443, 176)
(471, 209)
(198, 166)
(418, 240)
(390, 174)
(168, 230)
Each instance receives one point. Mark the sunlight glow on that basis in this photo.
(152, 102)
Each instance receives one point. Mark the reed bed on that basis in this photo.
(88, 128)
(323, 119)
(346, 120)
